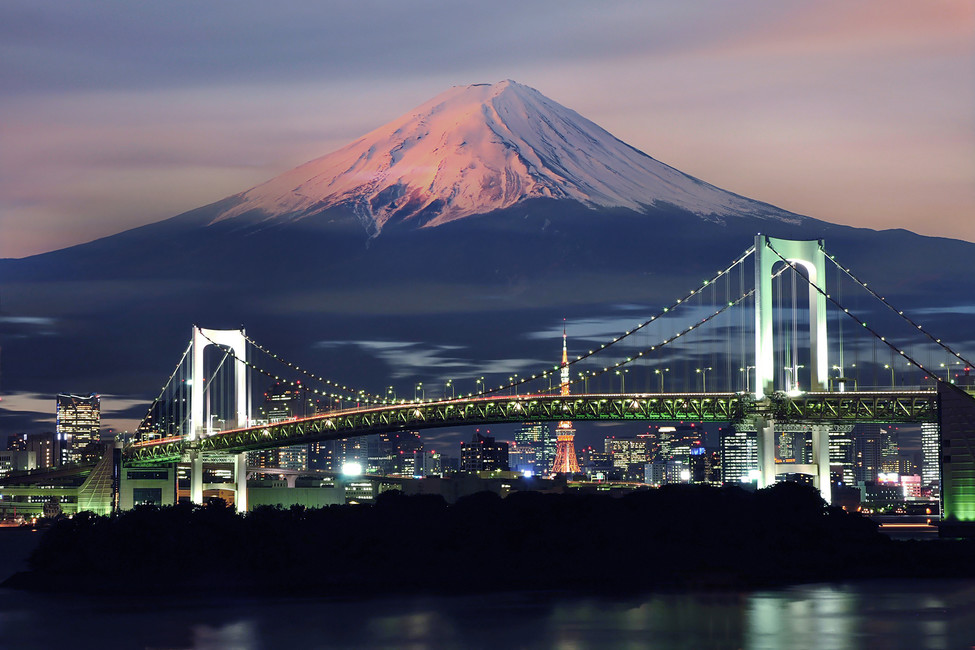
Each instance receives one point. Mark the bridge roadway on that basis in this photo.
(890, 407)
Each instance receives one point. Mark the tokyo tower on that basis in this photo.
(565, 450)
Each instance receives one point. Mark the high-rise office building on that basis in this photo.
(739, 455)
(676, 443)
(868, 443)
(842, 456)
(281, 402)
(483, 453)
(47, 454)
(78, 425)
(931, 454)
(321, 455)
(705, 466)
(404, 446)
(537, 445)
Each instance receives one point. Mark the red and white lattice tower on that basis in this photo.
(566, 461)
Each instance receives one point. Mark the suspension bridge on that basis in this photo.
(779, 339)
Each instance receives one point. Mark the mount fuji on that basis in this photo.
(448, 241)
(479, 148)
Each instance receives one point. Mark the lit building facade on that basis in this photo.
(483, 453)
(931, 454)
(46, 451)
(739, 455)
(78, 425)
(842, 456)
(536, 446)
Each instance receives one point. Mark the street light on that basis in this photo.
(748, 384)
(893, 384)
(704, 378)
(658, 371)
(480, 382)
(391, 391)
(418, 388)
(622, 376)
(584, 377)
(450, 385)
(792, 385)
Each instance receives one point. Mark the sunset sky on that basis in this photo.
(115, 115)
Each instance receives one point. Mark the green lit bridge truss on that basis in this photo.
(809, 408)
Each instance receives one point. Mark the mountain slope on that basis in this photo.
(474, 149)
(500, 213)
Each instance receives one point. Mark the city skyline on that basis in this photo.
(853, 114)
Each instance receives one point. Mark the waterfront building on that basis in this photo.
(931, 454)
(17, 461)
(77, 426)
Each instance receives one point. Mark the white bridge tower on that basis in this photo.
(199, 427)
(808, 254)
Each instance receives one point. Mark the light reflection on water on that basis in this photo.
(919, 615)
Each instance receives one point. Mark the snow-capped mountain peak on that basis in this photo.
(475, 149)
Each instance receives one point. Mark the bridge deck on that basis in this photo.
(812, 408)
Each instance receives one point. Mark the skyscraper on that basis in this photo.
(739, 455)
(536, 441)
(931, 454)
(842, 455)
(77, 427)
(483, 453)
(281, 402)
(566, 461)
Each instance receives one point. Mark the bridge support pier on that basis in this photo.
(765, 430)
(820, 458)
(818, 468)
(196, 477)
(240, 474)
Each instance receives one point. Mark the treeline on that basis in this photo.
(673, 537)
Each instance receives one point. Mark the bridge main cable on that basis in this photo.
(860, 322)
(666, 310)
(350, 392)
(947, 348)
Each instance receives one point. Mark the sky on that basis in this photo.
(116, 115)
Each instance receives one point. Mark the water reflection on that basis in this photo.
(936, 614)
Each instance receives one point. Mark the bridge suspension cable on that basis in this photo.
(351, 393)
(162, 392)
(900, 313)
(725, 307)
(862, 323)
(554, 371)
(308, 373)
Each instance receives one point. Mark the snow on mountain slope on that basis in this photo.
(474, 149)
